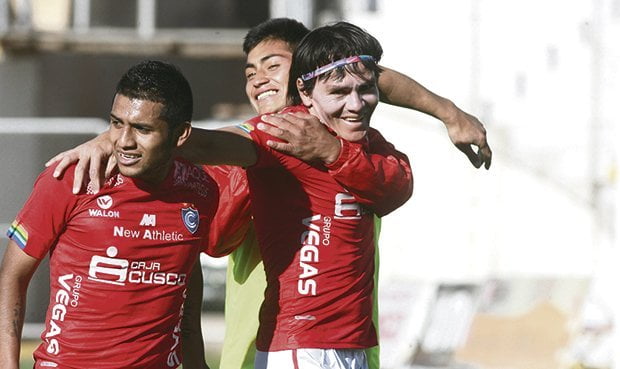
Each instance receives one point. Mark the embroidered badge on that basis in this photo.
(190, 218)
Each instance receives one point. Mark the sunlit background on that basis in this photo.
(511, 268)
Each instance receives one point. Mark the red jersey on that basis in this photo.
(315, 230)
(119, 264)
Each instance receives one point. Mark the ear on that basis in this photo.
(306, 99)
(183, 131)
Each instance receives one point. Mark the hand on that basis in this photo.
(465, 130)
(306, 138)
(89, 157)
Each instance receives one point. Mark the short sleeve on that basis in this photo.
(44, 215)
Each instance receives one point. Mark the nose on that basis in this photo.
(126, 138)
(355, 102)
(260, 78)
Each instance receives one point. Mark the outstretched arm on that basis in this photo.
(96, 161)
(464, 129)
(15, 273)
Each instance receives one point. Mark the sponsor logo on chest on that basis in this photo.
(104, 203)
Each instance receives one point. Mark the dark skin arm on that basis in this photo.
(227, 145)
(305, 139)
(15, 273)
(464, 129)
(191, 331)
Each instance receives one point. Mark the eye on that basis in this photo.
(367, 89)
(273, 66)
(250, 75)
(115, 123)
(142, 129)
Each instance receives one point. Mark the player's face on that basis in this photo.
(141, 139)
(345, 105)
(266, 73)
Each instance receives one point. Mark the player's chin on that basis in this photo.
(130, 171)
(269, 105)
(355, 136)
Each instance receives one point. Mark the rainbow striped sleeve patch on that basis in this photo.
(18, 233)
(246, 127)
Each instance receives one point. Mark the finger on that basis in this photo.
(281, 146)
(485, 155)
(273, 131)
(55, 159)
(110, 166)
(305, 120)
(471, 154)
(285, 122)
(61, 167)
(78, 176)
(94, 173)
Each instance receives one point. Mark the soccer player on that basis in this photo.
(315, 218)
(119, 259)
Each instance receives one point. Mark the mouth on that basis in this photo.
(354, 120)
(266, 94)
(127, 159)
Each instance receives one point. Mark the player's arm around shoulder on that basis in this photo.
(228, 145)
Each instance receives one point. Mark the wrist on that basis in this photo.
(448, 112)
(333, 153)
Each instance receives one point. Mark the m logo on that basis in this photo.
(346, 207)
(148, 220)
(104, 202)
(190, 219)
(108, 269)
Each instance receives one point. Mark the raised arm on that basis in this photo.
(464, 129)
(15, 274)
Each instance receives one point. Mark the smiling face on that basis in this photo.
(266, 72)
(344, 104)
(142, 140)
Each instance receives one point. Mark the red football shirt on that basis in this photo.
(315, 230)
(119, 264)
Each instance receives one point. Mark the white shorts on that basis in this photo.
(312, 359)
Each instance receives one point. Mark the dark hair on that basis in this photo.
(160, 82)
(284, 29)
(327, 44)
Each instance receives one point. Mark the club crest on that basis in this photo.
(190, 219)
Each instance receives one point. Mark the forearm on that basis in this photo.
(215, 147)
(12, 308)
(191, 331)
(401, 90)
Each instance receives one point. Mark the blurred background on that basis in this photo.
(514, 268)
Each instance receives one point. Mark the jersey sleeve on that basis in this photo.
(378, 176)
(44, 215)
(231, 221)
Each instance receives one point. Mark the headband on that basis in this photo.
(338, 63)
